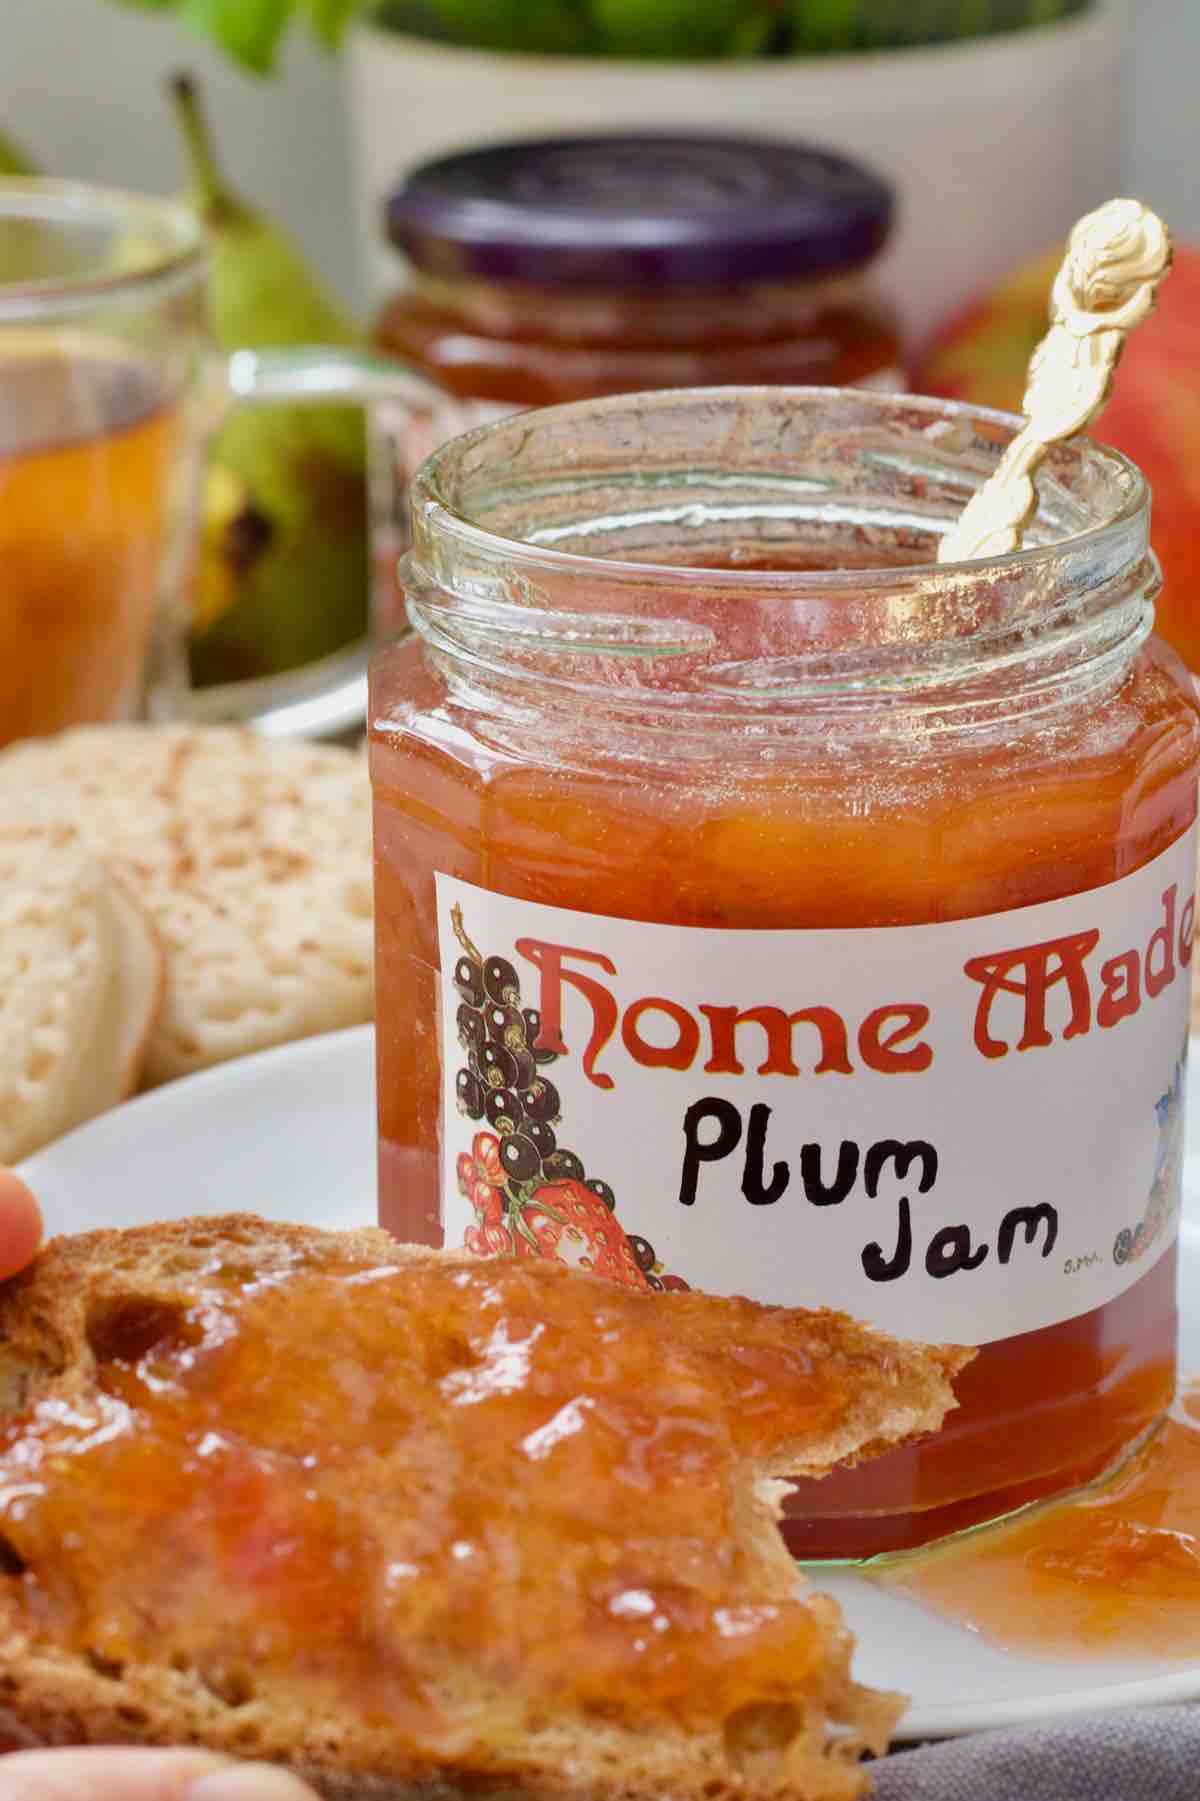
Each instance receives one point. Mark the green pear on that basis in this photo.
(25, 252)
(284, 569)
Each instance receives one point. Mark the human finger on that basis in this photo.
(20, 1224)
(122, 1774)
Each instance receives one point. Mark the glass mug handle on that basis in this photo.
(328, 698)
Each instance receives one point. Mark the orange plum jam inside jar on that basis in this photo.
(765, 908)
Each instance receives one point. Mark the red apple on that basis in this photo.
(1153, 416)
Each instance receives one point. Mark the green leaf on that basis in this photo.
(753, 35)
(826, 24)
(833, 25)
(249, 30)
(682, 29)
(328, 19)
(546, 26)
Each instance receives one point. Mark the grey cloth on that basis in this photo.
(1143, 1754)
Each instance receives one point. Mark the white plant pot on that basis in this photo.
(996, 146)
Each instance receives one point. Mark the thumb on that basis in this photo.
(99, 1774)
(20, 1224)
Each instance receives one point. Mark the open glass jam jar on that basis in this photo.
(564, 269)
(763, 907)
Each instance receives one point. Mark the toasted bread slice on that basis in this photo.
(410, 1522)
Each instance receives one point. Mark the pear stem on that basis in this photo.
(215, 197)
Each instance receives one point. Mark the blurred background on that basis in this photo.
(994, 123)
(81, 86)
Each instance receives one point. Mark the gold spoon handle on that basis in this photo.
(1115, 259)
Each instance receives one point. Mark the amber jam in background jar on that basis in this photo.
(564, 269)
(763, 907)
(567, 268)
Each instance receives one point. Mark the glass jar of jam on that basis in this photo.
(564, 269)
(767, 908)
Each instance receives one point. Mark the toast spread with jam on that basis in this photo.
(411, 1521)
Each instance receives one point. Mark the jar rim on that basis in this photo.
(528, 538)
(166, 235)
(433, 504)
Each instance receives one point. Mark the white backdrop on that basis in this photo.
(81, 82)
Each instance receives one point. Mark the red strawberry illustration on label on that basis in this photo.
(480, 1180)
(489, 1239)
(566, 1221)
(481, 1176)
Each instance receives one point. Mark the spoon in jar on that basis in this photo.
(1107, 284)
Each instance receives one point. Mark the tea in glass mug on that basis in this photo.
(109, 390)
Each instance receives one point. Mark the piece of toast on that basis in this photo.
(412, 1523)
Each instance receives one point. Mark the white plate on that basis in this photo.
(291, 1134)
(288, 1134)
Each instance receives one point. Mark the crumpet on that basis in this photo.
(251, 858)
(80, 984)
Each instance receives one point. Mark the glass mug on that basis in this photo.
(109, 393)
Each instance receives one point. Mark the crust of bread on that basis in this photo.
(111, 1070)
(142, 985)
(57, 968)
(48, 1696)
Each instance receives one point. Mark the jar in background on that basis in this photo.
(763, 907)
(564, 269)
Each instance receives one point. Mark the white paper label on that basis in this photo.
(957, 1132)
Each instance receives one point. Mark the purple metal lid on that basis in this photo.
(656, 211)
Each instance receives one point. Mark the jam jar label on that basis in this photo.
(957, 1132)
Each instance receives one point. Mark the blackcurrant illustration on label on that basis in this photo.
(519, 1157)
(562, 1166)
(469, 1092)
(541, 1135)
(500, 980)
(541, 1100)
(643, 1250)
(468, 979)
(505, 1024)
(503, 1109)
(471, 1028)
(499, 1065)
(547, 1201)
